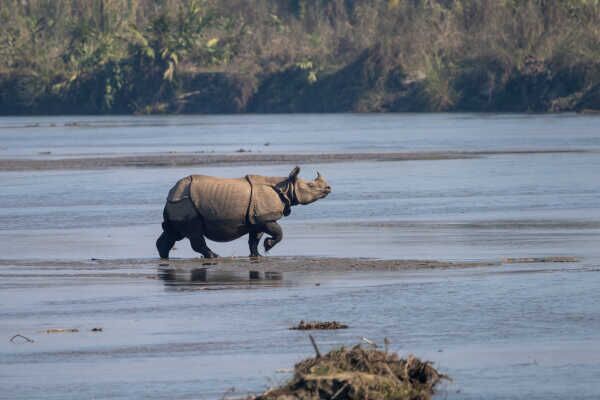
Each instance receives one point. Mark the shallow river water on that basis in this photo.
(527, 330)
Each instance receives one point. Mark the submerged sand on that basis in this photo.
(246, 158)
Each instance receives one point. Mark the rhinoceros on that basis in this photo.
(223, 210)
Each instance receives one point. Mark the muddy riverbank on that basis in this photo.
(246, 264)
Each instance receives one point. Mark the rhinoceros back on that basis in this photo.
(220, 200)
(225, 207)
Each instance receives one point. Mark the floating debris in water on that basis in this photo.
(97, 329)
(18, 335)
(323, 325)
(62, 330)
(550, 259)
(358, 373)
(369, 342)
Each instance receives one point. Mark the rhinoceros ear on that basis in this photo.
(294, 174)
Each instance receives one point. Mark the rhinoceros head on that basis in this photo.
(307, 192)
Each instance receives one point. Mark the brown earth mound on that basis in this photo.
(324, 325)
(359, 373)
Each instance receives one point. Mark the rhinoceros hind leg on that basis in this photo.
(199, 244)
(164, 244)
(253, 240)
(274, 230)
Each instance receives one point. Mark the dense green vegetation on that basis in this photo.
(152, 56)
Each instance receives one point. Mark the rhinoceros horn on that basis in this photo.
(294, 174)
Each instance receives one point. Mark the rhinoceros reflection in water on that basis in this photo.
(208, 277)
(223, 210)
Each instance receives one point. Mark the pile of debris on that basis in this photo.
(305, 326)
(359, 373)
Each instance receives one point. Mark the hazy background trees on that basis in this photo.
(139, 55)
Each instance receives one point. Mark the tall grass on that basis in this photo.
(51, 47)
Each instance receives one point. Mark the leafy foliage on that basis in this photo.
(104, 56)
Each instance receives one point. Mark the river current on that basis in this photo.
(521, 330)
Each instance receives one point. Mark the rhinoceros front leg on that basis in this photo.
(199, 244)
(253, 240)
(274, 230)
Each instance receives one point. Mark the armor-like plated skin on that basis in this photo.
(223, 209)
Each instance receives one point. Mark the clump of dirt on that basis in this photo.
(359, 373)
(323, 325)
